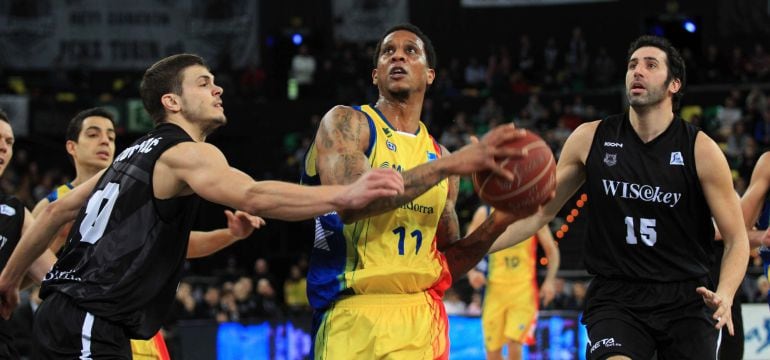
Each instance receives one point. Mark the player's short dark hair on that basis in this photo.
(430, 52)
(674, 61)
(76, 124)
(4, 117)
(163, 77)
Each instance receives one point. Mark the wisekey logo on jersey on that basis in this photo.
(676, 158)
(641, 192)
(7, 210)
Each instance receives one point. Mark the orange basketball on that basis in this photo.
(534, 178)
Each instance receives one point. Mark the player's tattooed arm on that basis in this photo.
(448, 225)
(341, 142)
(464, 254)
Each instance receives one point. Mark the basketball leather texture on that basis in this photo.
(534, 178)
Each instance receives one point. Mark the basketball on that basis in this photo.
(534, 178)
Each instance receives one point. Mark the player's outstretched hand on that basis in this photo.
(372, 185)
(9, 298)
(482, 154)
(242, 224)
(721, 306)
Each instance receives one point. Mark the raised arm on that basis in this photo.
(570, 175)
(343, 137)
(716, 182)
(754, 198)
(35, 240)
(548, 288)
(204, 169)
(239, 226)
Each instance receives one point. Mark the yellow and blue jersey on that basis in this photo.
(59, 192)
(391, 253)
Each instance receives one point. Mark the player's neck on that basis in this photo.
(192, 129)
(403, 115)
(84, 172)
(651, 121)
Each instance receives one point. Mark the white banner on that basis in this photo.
(45, 34)
(366, 20)
(756, 330)
(504, 3)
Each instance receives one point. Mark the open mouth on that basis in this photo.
(397, 72)
(104, 155)
(637, 88)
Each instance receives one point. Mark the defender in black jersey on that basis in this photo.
(653, 183)
(14, 219)
(123, 259)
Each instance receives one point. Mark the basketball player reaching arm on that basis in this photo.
(133, 232)
(405, 247)
(667, 247)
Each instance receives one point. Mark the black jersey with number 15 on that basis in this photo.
(124, 255)
(649, 219)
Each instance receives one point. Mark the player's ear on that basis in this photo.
(431, 76)
(171, 102)
(70, 146)
(675, 86)
(374, 76)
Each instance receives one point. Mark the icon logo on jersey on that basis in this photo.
(610, 159)
(391, 146)
(7, 210)
(3, 240)
(676, 158)
(432, 156)
(608, 342)
(645, 193)
(613, 144)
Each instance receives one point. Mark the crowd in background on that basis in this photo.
(549, 88)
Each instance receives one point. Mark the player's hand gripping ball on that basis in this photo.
(534, 178)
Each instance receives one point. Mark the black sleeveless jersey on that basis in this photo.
(649, 219)
(124, 255)
(11, 222)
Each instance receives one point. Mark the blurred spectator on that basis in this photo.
(244, 300)
(209, 306)
(452, 303)
(474, 307)
(475, 73)
(295, 291)
(302, 70)
(267, 304)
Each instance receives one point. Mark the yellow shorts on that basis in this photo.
(383, 326)
(509, 313)
(153, 348)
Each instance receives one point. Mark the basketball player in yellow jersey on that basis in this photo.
(509, 315)
(91, 146)
(377, 275)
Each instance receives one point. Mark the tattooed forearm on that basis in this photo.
(464, 254)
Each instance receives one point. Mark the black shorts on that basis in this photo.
(64, 331)
(638, 319)
(8, 351)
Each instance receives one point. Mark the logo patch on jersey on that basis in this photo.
(676, 158)
(3, 240)
(391, 146)
(432, 156)
(613, 144)
(610, 159)
(646, 193)
(321, 236)
(7, 210)
(387, 132)
(608, 343)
